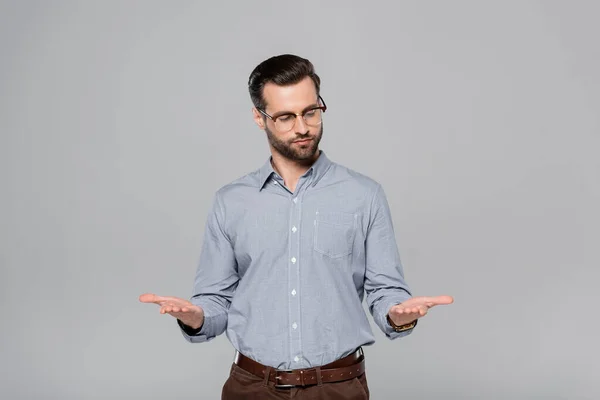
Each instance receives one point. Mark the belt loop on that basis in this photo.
(267, 374)
(319, 377)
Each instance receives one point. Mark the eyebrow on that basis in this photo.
(280, 113)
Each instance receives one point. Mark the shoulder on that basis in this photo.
(352, 177)
(240, 186)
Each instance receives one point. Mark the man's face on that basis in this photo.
(301, 143)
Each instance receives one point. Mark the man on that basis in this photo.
(289, 250)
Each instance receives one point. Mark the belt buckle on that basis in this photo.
(279, 385)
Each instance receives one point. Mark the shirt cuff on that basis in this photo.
(191, 336)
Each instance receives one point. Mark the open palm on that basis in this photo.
(188, 313)
(416, 307)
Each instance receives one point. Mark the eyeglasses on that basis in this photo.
(285, 122)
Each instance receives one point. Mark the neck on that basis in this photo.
(291, 170)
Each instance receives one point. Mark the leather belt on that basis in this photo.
(340, 370)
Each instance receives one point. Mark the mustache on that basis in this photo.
(302, 137)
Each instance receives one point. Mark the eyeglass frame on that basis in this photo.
(323, 108)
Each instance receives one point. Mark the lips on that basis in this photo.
(302, 141)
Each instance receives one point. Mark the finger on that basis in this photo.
(166, 308)
(404, 310)
(152, 298)
(438, 300)
(444, 299)
(147, 298)
(173, 308)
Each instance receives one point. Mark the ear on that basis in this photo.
(258, 118)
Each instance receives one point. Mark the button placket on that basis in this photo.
(294, 273)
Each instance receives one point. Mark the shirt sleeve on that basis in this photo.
(384, 277)
(216, 278)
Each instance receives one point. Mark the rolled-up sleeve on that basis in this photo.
(216, 277)
(384, 277)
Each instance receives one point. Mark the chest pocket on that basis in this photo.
(334, 233)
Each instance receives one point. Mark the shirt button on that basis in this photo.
(296, 359)
(295, 200)
(294, 229)
(294, 260)
(294, 325)
(294, 292)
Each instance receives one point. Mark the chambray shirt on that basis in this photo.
(284, 273)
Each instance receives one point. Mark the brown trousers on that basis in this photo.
(242, 385)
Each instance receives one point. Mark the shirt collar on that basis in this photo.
(319, 168)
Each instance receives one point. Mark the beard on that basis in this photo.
(294, 151)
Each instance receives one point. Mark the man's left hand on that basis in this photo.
(416, 307)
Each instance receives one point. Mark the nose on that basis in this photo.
(301, 126)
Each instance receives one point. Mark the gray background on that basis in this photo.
(119, 120)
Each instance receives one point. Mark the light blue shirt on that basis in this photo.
(284, 273)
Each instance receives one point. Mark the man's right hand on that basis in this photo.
(188, 313)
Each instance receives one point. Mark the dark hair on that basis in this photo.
(282, 70)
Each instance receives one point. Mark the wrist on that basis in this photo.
(193, 326)
(196, 324)
(192, 330)
(402, 326)
(194, 321)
